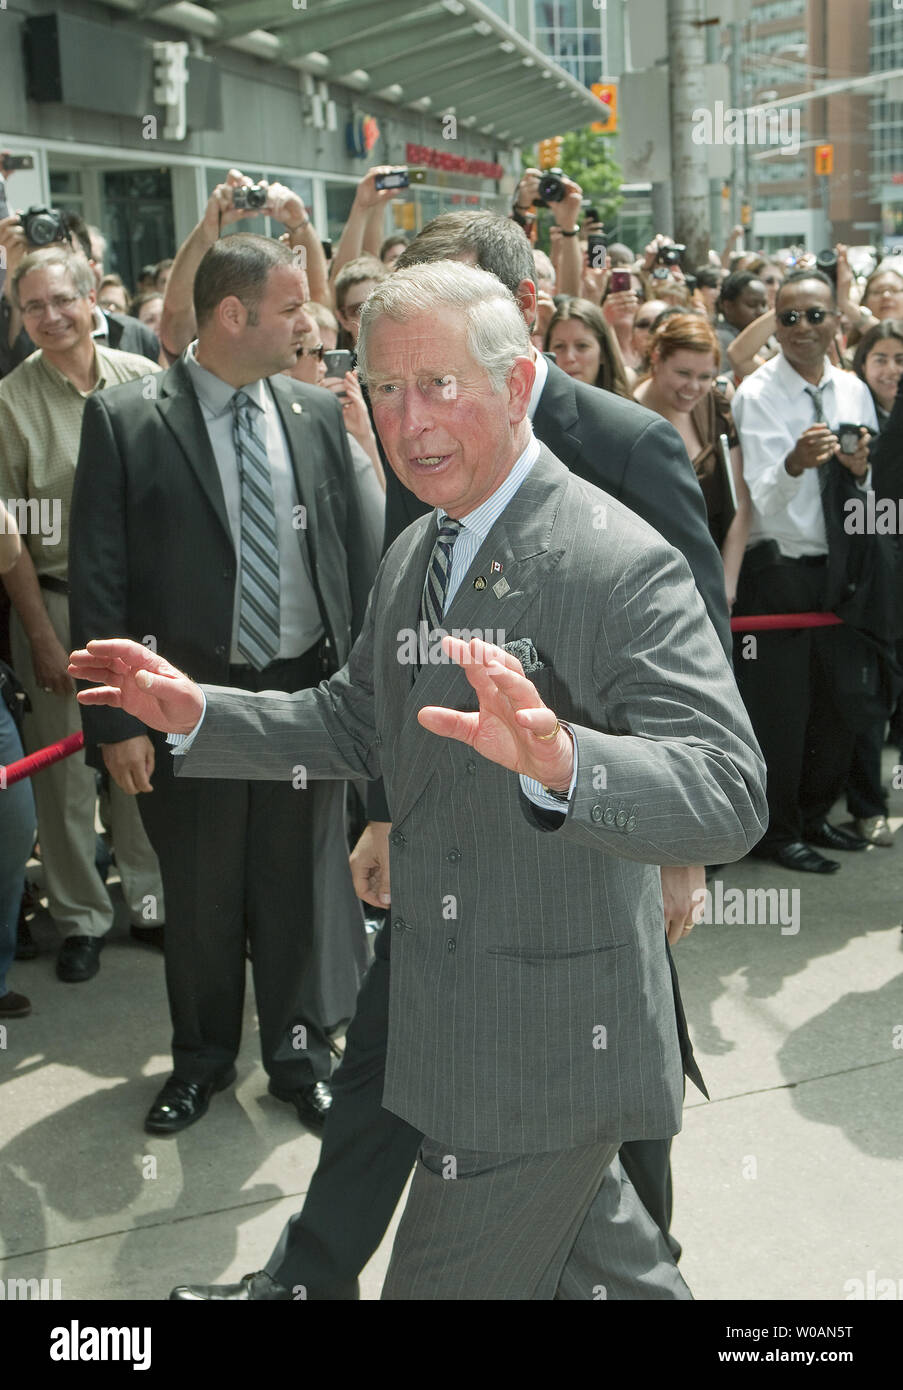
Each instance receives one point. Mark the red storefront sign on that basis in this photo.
(421, 156)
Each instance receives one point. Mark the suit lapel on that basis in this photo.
(181, 412)
(520, 542)
(557, 416)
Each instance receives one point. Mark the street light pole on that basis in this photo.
(686, 94)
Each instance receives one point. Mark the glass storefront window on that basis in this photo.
(339, 197)
(137, 220)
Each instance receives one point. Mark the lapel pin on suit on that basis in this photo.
(479, 582)
(296, 409)
(501, 588)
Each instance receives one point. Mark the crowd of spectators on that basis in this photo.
(780, 383)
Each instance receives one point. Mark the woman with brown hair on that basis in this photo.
(586, 348)
(683, 364)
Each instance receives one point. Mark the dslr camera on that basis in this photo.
(254, 196)
(551, 189)
(670, 255)
(43, 226)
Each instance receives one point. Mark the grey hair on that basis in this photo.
(71, 261)
(496, 332)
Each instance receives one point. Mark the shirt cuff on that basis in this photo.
(533, 790)
(181, 743)
(865, 482)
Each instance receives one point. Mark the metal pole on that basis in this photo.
(689, 164)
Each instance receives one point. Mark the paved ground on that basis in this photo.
(787, 1183)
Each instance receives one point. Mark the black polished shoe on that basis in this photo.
(834, 837)
(798, 856)
(254, 1288)
(181, 1103)
(26, 946)
(147, 936)
(79, 958)
(311, 1102)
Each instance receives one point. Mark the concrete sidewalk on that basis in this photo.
(787, 1184)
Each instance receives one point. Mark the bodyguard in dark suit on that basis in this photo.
(215, 514)
(368, 1152)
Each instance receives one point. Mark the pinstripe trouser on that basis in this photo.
(565, 1225)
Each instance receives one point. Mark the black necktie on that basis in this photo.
(435, 587)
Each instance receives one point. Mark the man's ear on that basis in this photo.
(526, 302)
(231, 314)
(520, 385)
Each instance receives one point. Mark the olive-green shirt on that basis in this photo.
(40, 428)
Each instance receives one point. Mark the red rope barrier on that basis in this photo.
(769, 622)
(53, 753)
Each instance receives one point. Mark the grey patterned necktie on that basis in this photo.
(435, 587)
(258, 615)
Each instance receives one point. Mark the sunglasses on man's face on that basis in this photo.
(790, 317)
(312, 352)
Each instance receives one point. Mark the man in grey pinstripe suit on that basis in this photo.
(535, 783)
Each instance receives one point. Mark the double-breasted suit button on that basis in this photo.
(400, 924)
(471, 768)
(220, 650)
(398, 838)
(621, 819)
(450, 944)
(631, 823)
(453, 856)
(596, 813)
(608, 816)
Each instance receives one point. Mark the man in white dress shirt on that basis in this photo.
(788, 413)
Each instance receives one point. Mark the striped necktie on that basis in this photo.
(258, 615)
(435, 587)
(816, 393)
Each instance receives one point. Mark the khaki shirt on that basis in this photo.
(40, 428)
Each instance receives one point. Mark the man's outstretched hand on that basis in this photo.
(133, 678)
(512, 719)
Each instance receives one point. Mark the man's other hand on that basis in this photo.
(130, 763)
(49, 663)
(682, 893)
(139, 681)
(369, 862)
(813, 448)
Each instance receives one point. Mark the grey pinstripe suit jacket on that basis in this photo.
(531, 1005)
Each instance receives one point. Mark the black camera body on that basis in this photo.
(670, 255)
(848, 436)
(43, 226)
(254, 196)
(551, 189)
(826, 262)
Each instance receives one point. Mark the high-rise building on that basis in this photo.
(885, 121)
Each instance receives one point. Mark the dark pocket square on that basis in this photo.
(524, 650)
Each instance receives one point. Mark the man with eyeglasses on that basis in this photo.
(41, 407)
(787, 414)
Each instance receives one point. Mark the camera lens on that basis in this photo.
(257, 197)
(551, 188)
(41, 228)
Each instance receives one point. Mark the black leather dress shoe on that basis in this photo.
(798, 856)
(254, 1288)
(180, 1103)
(311, 1102)
(79, 958)
(834, 837)
(147, 936)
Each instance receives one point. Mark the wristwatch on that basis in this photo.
(573, 233)
(556, 796)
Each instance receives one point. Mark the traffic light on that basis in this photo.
(550, 152)
(824, 159)
(607, 92)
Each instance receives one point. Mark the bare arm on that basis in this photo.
(10, 544)
(743, 351)
(367, 199)
(569, 253)
(48, 658)
(736, 234)
(13, 246)
(738, 532)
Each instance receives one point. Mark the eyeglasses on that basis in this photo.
(313, 352)
(35, 308)
(644, 323)
(789, 317)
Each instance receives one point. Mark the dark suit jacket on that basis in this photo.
(627, 451)
(151, 551)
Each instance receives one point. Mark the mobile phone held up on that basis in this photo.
(338, 362)
(399, 178)
(619, 281)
